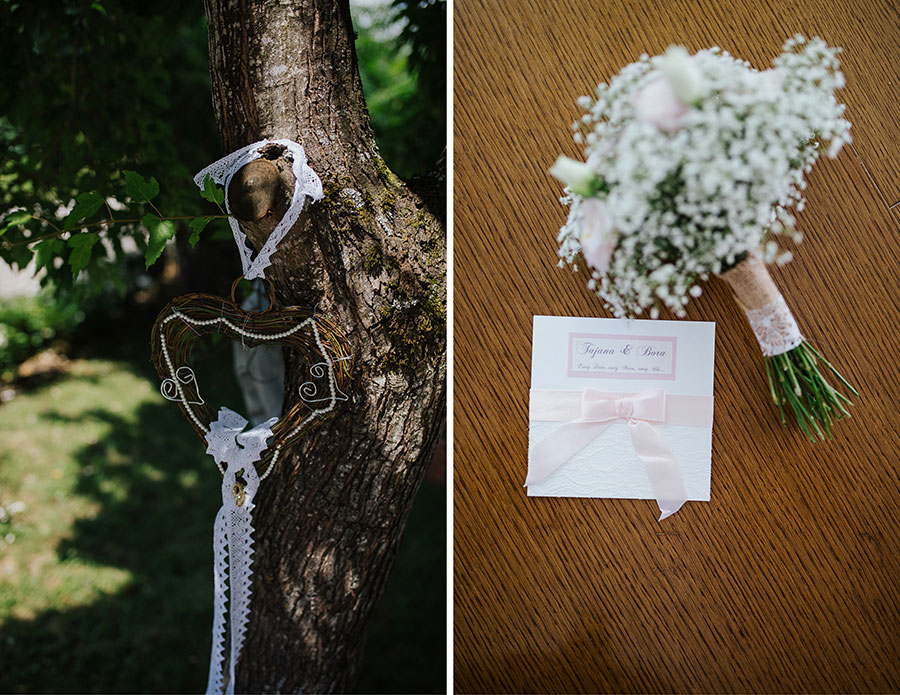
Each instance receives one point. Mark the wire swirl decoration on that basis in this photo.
(172, 389)
(316, 339)
(309, 390)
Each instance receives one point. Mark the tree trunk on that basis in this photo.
(372, 257)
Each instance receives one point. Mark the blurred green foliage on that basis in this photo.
(28, 324)
(99, 87)
(402, 62)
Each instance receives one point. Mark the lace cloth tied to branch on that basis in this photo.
(307, 183)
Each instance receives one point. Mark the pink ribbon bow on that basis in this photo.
(598, 411)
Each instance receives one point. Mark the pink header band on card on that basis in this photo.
(587, 413)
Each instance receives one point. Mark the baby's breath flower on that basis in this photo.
(689, 196)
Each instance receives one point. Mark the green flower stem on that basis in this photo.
(832, 368)
(796, 379)
(775, 397)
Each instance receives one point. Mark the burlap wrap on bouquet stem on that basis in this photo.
(768, 313)
(751, 282)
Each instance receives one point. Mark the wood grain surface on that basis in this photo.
(787, 580)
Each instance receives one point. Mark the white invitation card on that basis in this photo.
(621, 408)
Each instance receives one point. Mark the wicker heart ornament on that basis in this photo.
(189, 318)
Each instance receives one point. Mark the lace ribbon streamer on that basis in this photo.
(233, 537)
(589, 412)
(307, 184)
(770, 318)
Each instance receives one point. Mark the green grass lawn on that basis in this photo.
(105, 558)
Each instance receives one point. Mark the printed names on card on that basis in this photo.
(621, 356)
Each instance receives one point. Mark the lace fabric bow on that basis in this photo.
(233, 536)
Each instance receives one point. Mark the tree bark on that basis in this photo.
(372, 257)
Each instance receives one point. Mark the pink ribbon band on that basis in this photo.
(587, 413)
(550, 405)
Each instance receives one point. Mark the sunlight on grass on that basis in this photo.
(103, 537)
(37, 470)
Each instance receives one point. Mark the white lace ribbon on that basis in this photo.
(774, 326)
(307, 184)
(233, 537)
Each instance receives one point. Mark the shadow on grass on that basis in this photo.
(158, 494)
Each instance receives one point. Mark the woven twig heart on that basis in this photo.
(188, 318)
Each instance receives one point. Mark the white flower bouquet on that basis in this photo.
(693, 165)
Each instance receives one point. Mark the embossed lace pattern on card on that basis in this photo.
(610, 463)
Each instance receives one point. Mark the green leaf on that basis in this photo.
(160, 232)
(20, 255)
(81, 251)
(86, 204)
(46, 251)
(212, 192)
(14, 219)
(17, 217)
(197, 225)
(139, 189)
(97, 6)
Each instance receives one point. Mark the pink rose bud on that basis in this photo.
(657, 103)
(597, 239)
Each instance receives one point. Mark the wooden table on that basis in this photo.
(787, 580)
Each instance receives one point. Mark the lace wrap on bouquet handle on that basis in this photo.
(769, 316)
(233, 538)
(307, 184)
